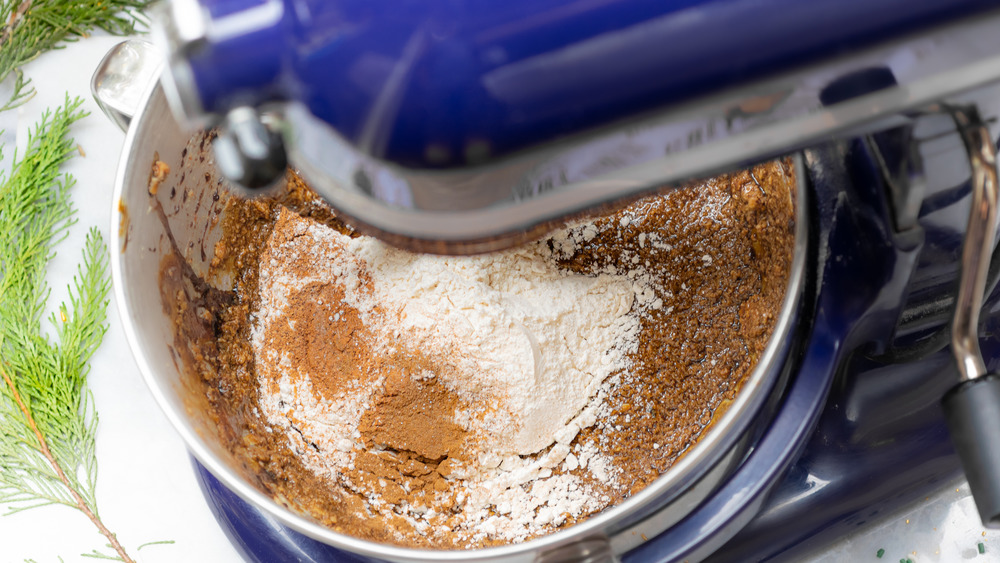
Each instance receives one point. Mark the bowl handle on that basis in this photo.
(122, 77)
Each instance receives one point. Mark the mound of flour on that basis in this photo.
(512, 328)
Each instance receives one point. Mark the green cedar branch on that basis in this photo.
(28, 28)
(48, 422)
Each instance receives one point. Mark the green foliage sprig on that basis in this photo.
(31, 27)
(47, 418)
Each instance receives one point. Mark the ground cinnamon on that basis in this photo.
(412, 417)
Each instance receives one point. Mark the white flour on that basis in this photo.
(529, 342)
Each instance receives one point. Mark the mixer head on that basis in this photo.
(465, 127)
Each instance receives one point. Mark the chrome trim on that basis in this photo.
(180, 28)
(978, 244)
(185, 24)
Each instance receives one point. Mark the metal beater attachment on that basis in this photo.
(972, 408)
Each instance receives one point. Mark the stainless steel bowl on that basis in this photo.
(140, 239)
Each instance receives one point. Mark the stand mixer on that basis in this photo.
(468, 126)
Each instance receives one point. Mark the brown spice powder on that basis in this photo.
(408, 432)
(409, 415)
(413, 416)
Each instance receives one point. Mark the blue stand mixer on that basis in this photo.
(465, 126)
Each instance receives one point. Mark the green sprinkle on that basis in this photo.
(981, 547)
(880, 553)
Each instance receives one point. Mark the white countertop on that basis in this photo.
(146, 490)
(146, 487)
